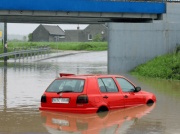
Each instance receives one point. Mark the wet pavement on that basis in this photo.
(23, 82)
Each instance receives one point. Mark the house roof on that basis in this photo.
(96, 25)
(54, 30)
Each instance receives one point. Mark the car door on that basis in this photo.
(131, 97)
(110, 93)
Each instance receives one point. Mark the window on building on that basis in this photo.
(89, 36)
(61, 37)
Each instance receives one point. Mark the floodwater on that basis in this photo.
(23, 82)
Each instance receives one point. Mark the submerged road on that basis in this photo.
(23, 83)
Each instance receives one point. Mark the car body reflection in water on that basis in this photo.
(107, 122)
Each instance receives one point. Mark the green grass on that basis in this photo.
(77, 46)
(1, 47)
(89, 46)
(165, 67)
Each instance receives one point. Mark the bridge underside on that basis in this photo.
(79, 11)
(55, 17)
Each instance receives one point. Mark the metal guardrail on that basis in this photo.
(22, 52)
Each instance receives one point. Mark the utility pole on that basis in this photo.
(5, 41)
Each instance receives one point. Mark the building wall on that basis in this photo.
(74, 35)
(131, 44)
(82, 35)
(56, 38)
(51, 38)
(40, 34)
(95, 29)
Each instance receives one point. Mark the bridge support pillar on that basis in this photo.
(132, 44)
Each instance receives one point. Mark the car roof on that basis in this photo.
(85, 76)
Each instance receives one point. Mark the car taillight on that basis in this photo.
(81, 99)
(43, 98)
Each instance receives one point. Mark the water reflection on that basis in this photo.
(5, 86)
(103, 123)
(15, 121)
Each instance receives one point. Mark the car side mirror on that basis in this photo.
(137, 89)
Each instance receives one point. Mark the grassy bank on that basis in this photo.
(89, 46)
(165, 67)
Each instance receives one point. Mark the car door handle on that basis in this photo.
(125, 96)
(105, 97)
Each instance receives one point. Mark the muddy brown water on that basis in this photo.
(22, 84)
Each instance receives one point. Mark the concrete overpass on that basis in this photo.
(79, 11)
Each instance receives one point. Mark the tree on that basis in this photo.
(97, 38)
(30, 37)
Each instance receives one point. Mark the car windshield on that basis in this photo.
(66, 85)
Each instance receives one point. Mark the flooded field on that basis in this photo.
(22, 84)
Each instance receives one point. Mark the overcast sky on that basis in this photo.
(25, 29)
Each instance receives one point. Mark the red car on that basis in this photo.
(92, 93)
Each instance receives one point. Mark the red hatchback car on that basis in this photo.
(92, 93)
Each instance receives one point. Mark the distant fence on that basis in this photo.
(27, 52)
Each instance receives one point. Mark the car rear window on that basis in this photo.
(66, 85)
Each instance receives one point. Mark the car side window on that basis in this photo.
(107, 85)
(125, 85)
(74, 85)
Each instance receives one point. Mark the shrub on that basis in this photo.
(166, 67)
